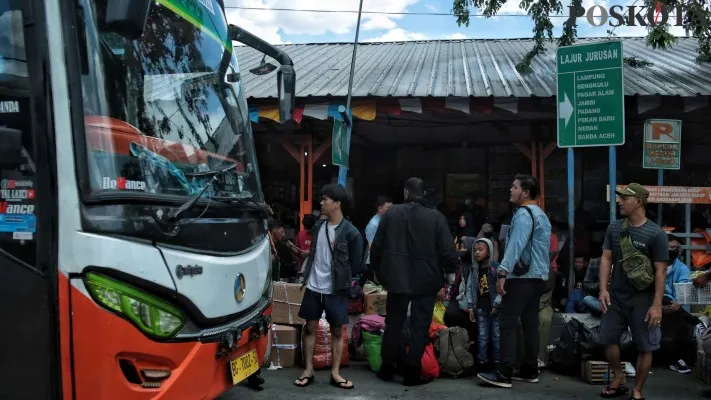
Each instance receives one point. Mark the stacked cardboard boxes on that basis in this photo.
(286, 327)
(286, 337)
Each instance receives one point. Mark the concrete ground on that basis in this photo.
(661, 384)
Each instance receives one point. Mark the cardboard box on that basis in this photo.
(285, 346)
(598, 373)
(375, 303)
(286, 301)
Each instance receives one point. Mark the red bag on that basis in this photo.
(430, 368)
(323, 357)
(355, 306)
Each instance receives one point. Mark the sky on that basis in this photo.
(280, 27)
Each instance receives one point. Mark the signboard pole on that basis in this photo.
(660, 182)
(613, 183)
(571, 218)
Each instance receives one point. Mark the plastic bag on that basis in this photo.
(430, 368)
(372, 343)
(438, 314)
(323, 353)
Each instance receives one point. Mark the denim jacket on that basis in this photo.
(347, 260)
(534, 252)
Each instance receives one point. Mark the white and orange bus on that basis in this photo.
(134, 255)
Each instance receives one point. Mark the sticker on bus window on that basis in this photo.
(9, 208)
(17, 194)
(9, 107)
(22, 235)
(15, 184)
(121, 183)
(18, 223)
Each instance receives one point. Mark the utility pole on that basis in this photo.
(353, 59)
(346, 113)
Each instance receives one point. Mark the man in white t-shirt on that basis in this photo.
(336, 255)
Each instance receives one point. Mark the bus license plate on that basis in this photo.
(244, 366)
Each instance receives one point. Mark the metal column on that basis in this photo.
(571, 217)
(613, 183)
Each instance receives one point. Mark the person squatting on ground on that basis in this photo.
(633, 245)
(412, 251)
(522, 279)
(336, 255)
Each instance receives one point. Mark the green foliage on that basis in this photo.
(636, 62)
(697, 20)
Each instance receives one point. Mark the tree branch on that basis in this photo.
(697, 20)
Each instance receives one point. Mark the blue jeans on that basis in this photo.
(593, 305)
(488, 328)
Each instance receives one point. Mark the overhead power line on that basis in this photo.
(379, 12)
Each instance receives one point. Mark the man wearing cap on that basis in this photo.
(622, 304)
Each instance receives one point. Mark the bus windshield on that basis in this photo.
(162, 110)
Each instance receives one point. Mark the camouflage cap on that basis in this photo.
(634, 190)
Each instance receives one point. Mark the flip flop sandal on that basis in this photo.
(615, 392)
(342, 384)
(309, 380)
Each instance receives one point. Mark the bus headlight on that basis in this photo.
(152, 315)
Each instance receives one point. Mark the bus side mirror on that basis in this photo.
(10, 148)
(286, 77)
(286, 87)
(127, 17)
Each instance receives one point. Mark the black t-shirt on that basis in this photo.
(483, 291)
(649, 239)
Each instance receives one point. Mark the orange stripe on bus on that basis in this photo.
(112, 135)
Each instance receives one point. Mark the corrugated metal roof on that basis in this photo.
(471, 67)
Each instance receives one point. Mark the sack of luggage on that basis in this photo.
(372, 343)
(452, 348)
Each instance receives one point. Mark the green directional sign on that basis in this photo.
(340, 145)
(591, 99)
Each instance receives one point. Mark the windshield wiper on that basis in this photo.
(172, 216)
(246, 202)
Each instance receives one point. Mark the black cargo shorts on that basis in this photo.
(621, 316)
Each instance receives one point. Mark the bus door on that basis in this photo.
(28, 283)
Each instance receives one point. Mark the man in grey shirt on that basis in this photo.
(623, 305)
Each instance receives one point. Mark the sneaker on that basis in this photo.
(496, 379)
(629, 370)
(680, 367)
(530, 376)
